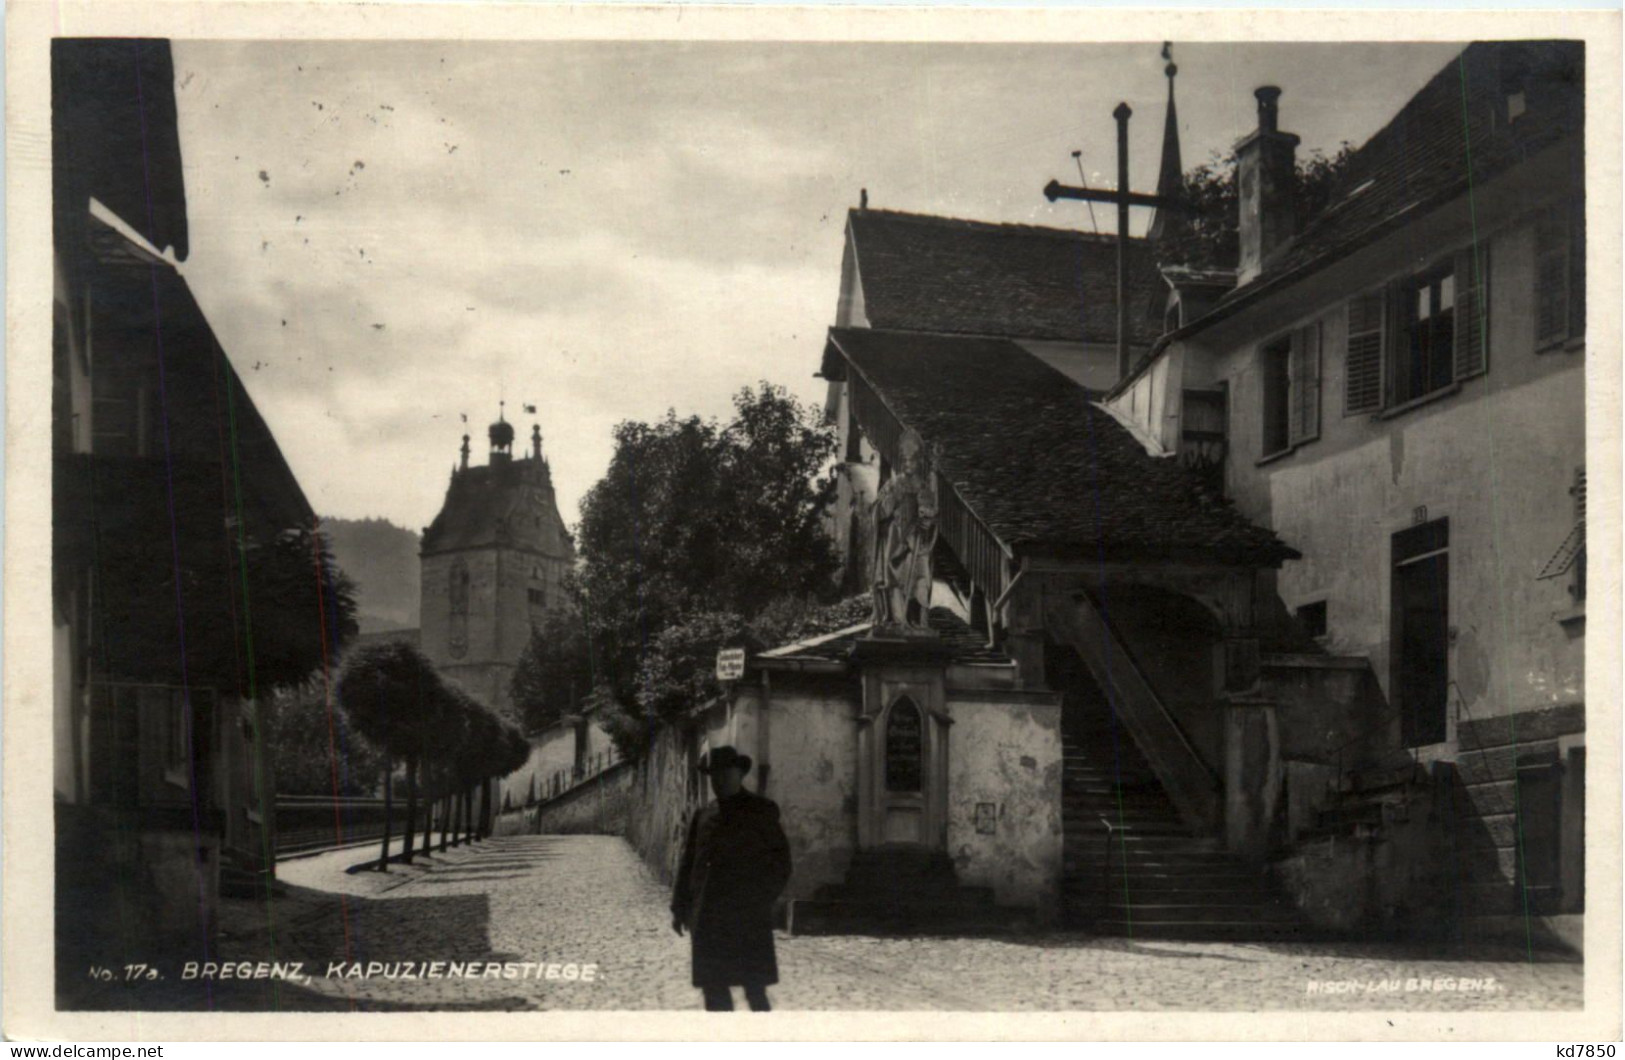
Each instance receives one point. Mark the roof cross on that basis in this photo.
(1124, 199)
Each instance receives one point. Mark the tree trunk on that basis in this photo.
(482, 826)
(428, 817)
(468, 816)
(411, 810)
(389, 805)
(445, 819)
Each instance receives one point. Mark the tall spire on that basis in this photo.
(1171, 177)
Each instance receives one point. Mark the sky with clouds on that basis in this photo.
(389, 235)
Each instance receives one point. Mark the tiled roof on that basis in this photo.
(1042, 466)
(923, 273)
(488, 506)
(968, 645)
(1453, 133)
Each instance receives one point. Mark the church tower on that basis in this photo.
(493, 563)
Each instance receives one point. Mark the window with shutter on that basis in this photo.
(1306, 383)
(1279, 414)
(1472, 312)
(1289, 378)
(1551, 279)
(1560, 275)
(1363, 358)
(1423, 358)
(1577, 268)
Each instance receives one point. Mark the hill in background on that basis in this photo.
(382, 559)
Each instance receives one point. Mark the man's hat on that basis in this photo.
(723, 758)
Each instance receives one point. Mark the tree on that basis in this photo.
(491, 748)
(315, 749)
(289, 579)
(679, 669)
(1208, 236)
(694, 518)
(397, 700)
(554, 673)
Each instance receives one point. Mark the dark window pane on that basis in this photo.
(905, 747)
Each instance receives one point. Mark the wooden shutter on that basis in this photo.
(1472, 311)
(1551, 279)
(1306, 383)
(1362, 390)
(1577, 269)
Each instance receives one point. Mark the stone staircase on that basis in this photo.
(900, 890)
(1131, 867)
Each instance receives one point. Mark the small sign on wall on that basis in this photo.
(730, 664)
(987, 818)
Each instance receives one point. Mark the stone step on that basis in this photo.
(1134, 840)
(1154, 863)
(963, 898)
(1101, 805)
(1177, 848)
(1083, 826)
(1140, 913)
(818, 917)
(1203, 931)
(1109, 780)
(1116, 891)
(1106, 765)
(1159, 879)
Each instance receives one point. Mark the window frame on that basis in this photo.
(1406, 352)
(1275, 369)
(1300, 351)
(1378, 343)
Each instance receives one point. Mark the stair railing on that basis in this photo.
(1189, 782)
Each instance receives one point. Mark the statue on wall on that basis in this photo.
(905, 532)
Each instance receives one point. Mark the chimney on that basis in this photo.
(1265, 173)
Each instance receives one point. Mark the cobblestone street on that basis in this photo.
(588, 900)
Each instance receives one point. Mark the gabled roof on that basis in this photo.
(924, 273)
(1045, 468)
(1452, 134)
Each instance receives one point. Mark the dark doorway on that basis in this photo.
(1421, 609)
(1540, 819)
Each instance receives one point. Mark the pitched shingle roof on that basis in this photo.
(510, 504)
(923, 273)
(1045, 468)
(968, 646)
(1454, 133)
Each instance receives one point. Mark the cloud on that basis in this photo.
(609, 229)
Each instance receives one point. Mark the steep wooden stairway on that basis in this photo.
(1132, 868)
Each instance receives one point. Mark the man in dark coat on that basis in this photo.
(735, 863)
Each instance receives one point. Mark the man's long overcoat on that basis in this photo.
(736, 862)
